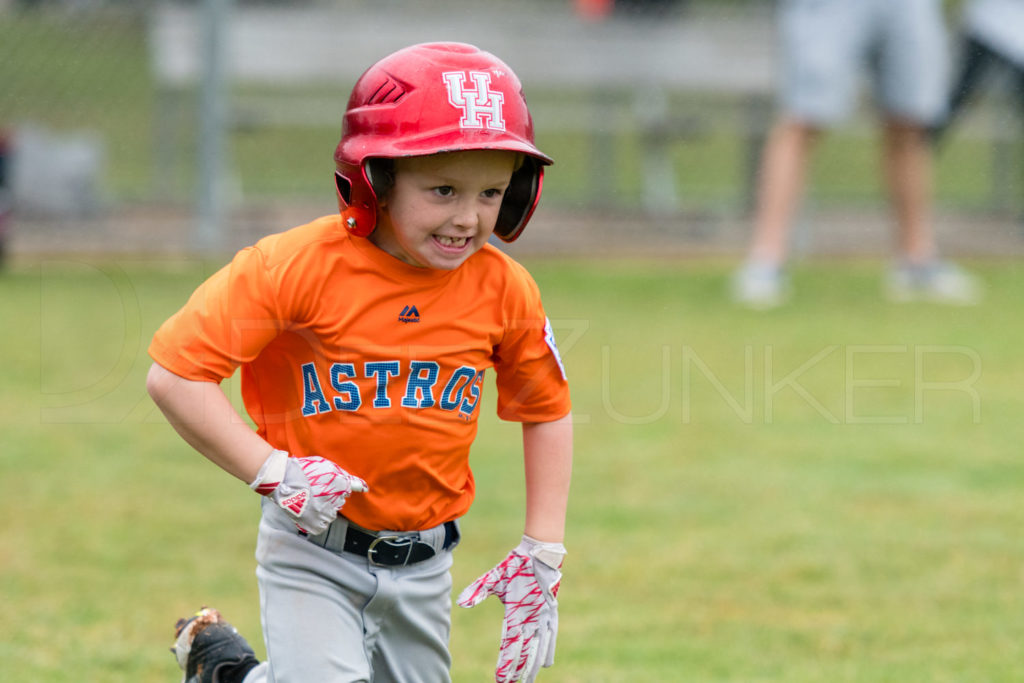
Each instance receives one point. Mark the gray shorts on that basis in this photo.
(828, 46)
(332, 616)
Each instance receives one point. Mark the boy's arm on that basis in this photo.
(310, 489)
(203, 416)
(547, 456)
(527, 580)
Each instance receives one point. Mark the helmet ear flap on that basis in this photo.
(520, 200)
(358, 188)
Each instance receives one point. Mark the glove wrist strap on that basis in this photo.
(271, 474)
(550, 554)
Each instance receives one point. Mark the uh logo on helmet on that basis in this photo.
(427, 99)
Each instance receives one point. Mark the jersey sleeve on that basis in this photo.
(531, 381)
(227, 321)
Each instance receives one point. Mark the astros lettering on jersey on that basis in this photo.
(350, 354)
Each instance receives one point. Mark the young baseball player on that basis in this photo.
(363, 340)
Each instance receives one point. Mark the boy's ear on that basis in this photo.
(381, 174)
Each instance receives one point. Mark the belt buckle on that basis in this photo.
(395, 541)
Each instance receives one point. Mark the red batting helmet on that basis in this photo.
(431, 98)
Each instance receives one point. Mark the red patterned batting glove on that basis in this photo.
(311, 490)
(526, 582)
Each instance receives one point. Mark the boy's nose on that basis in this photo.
(466, 216)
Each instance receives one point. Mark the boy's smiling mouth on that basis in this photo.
(451, 242)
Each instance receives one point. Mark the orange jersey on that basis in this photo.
(353, 355)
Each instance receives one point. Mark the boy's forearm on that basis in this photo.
(204, 417)
(547, 452)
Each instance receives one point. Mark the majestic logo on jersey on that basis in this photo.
(481, 107)
(409, 314)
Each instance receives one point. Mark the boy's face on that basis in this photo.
(442, 208)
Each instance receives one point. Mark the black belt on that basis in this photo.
(393, 550)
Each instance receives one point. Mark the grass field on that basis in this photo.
(829, 492)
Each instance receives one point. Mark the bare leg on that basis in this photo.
(780, 188)
(907, 158)
(920, 274)
(760, 282)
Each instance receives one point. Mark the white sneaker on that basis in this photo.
(936, 281)
(760, 286)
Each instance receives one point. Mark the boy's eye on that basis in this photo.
(444, 190)
(493, 193)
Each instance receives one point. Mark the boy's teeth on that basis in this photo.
(451, 241)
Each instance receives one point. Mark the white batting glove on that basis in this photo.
(311, 490)
(526, 582)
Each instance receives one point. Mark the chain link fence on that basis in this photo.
(653, 109)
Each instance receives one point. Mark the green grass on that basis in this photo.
(830, 491)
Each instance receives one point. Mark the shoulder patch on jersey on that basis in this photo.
(549, 337)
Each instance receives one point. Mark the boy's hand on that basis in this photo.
(526, 582)
(311, 490)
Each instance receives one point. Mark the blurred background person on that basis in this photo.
(991, 39)
(825, 46)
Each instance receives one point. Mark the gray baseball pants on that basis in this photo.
(331, 616)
